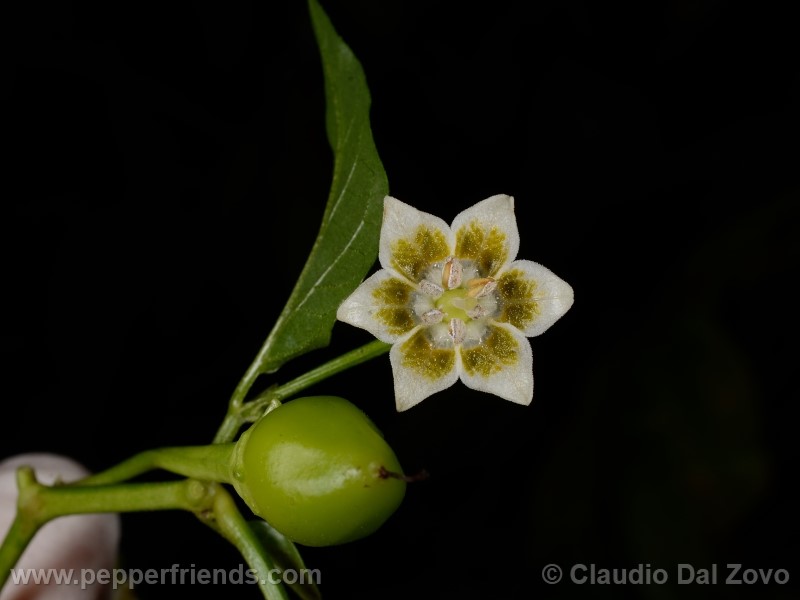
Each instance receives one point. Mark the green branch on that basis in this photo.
(209, 501)
(240, 412)
(228, 521)
(37, 504)
(211, 463)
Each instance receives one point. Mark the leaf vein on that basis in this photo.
(344, 189)
(316, 284)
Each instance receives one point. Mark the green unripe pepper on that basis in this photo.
(319, 471)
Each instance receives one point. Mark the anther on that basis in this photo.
(457, 330)
(478, 312)
(430, 289)
(432, 317)
(478, 288)
(451, 273)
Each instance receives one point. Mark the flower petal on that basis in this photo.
(382, 306)
(421, 368)
(412, 240)
(531, 297)
(487, 234)
(502, 364)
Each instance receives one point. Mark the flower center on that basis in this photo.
(456, 304)
(455, 312)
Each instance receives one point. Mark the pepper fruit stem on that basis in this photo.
(209, 463)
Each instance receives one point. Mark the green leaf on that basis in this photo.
(347, 243)
(286, 557)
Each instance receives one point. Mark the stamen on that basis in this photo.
(478, 312)
(432, 317)
(451, 273)
(478, 288)
(457, 330)
(430, 288)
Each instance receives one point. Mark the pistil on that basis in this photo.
(456, 304)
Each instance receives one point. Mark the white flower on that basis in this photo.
(454, 303)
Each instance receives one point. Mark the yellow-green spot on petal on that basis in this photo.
(498, 350)
(394, 297)
(519, 307)
(488, 249)
(393, 291)
(398, 320)
(420, 355)
(412, 257)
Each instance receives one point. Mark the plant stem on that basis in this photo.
(17, 539)
(230, 426)
(37, 504)
(233, 527)
(127, 497)
(240, 412)
(211, 463)
(332, 367)
(209, 501)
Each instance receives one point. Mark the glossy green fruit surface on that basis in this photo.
(316, 469)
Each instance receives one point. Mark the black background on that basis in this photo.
(167, 174)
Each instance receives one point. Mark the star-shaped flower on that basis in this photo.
(454, 303)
